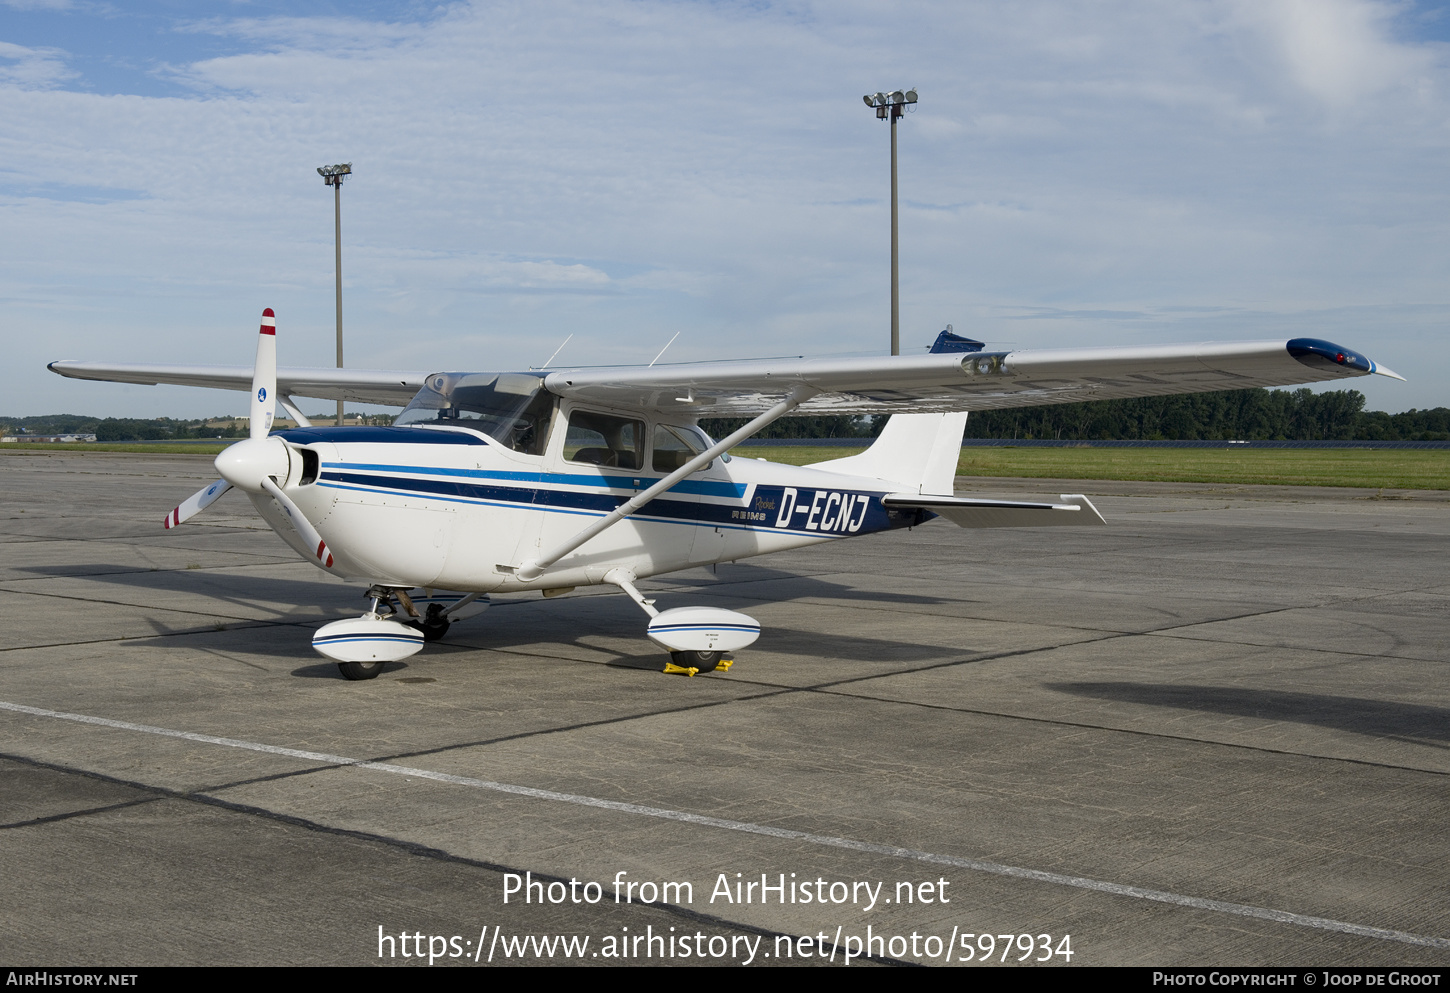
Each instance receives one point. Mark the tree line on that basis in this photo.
(1246, 415)
(118, 428)
(1234, 415)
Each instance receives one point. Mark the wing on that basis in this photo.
(964, 381)
(886, 384)
(388, 387)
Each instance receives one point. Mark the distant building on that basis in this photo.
(49, 437)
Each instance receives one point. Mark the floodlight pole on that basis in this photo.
(895, 250)
(890, 106)
(332, 176)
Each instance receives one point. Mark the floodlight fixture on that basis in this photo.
(890, 107)
(332, 175)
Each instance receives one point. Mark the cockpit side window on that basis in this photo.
(675, 445)
(604, 440)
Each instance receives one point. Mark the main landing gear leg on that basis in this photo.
(434, 624)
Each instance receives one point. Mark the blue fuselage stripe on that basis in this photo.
(815, 513)
(693, 487)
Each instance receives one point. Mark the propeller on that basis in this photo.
(256, 463)
(300, 523)
(264, 377)
(196, 503)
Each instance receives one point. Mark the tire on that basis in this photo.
(434, 624)
(360, 670)
(704, 661)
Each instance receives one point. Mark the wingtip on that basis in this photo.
(1379, 370)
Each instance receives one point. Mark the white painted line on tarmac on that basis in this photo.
(975, 865)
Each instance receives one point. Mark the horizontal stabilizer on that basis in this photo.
(1075, 510)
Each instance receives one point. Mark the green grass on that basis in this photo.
(34, 447)
(1396, 468)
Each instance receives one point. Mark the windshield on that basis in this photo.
(511, 408)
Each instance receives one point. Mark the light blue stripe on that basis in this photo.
(700, 487)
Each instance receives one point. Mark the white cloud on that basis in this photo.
(1341, 51)
(32, 67)
(621, 170)
(38, 4)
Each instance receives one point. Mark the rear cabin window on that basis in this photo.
(604, 440)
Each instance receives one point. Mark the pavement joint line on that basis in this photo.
(1059, 722)
(605, 722)
(769, 690)
(114, 603)
(1295, 648)
(787, 834)
(237, 624)
(159, 569)
(202, 797)
(72, 814)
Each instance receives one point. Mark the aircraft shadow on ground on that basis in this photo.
(572, 620)
(741, 580)
(744, 581)
(329, 670)
(241, 591)
(1378, 718)
(503, 625)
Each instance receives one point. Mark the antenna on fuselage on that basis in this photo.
(556, 352)
(665, 349)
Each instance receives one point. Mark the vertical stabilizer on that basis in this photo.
(916, 453)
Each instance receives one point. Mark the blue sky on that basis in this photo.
(1076, 173)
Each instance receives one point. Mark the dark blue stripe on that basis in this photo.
(702, 487)
(767, 499)
(382, 436)
(365, 637)
(703, 627)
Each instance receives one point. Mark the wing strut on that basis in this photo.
(534, 568)
(290, 406)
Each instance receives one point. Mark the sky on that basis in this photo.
(1077, 172)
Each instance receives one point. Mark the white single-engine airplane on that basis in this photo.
(554, 480)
